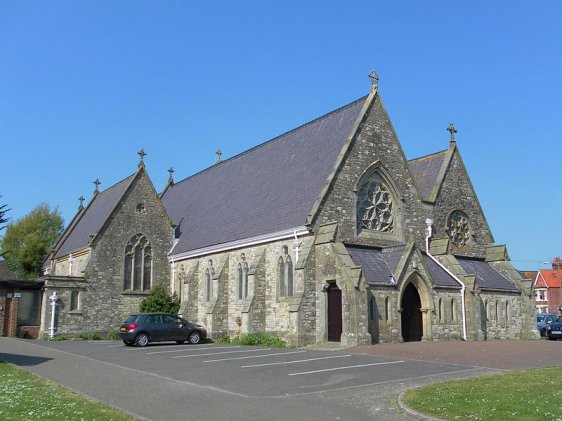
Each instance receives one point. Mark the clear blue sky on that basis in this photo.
(85, 85)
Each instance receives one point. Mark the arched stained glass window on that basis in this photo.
(137, 274)
(281, 271)
(286, 274)
(240, 282)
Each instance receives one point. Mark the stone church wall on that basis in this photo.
(457, 194)
(263, 309)
(103, 303)
(376, 140)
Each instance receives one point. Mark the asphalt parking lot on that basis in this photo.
(224, 382)
(255, 371)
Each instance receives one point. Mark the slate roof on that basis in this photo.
(439, 275)
(486, 275)
(426, 170)
(269, 188)
(92, 219)
(374, 265)
(379, 264)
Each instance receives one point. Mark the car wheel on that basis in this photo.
(180, 342)
(194, 337)
(128, 343)
(141, 339)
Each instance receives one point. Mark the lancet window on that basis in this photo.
(242, 278)
(285, 274)
(138, 264)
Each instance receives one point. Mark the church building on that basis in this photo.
(324, 233)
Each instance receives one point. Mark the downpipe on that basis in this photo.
(429, 232)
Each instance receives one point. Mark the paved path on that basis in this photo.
(506, 355)
(151, 384)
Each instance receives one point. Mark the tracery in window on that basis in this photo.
(285, 274)
(138, 264)
(374, 206)
(458, 228)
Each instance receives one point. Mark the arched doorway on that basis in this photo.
(412, 322)
(334, 313)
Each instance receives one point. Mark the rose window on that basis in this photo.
(374, 207)
(458, 229)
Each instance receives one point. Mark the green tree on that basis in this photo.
(159, 300)
(27, 241)
(3, 219)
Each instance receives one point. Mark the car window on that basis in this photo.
(153, 318)
(131, 318)
(540, 318)
(171, 319)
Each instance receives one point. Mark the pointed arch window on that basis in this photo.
(285, 274)
(243, 270)
(209, 275)
(138, 264)
(375, 210)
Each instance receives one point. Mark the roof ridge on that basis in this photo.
(428, 155)
(337, 110)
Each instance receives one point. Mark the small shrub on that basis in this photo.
(112, 335)
(159, 300)
(80, 336)
(93, 336)
(262, 339)
(224, 340)
(58, 338)
(235, 341)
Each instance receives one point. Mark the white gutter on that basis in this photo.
(246, 242)
(429, 230)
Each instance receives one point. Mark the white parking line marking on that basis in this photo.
(191, 350)
(255, 356)
(226, 352)
(115, 346)
(296, 361)
(343, 368)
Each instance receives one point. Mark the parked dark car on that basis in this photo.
(140, 329)
(543, 320)
(554, 329)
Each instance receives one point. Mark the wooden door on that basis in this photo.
(334, 314)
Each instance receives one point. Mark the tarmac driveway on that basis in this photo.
(218, 382)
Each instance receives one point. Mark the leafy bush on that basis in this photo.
(112, 334)
(224, 340)
(58, 338)
(262, 339)
(159, 300)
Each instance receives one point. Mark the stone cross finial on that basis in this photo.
(81, 199)
(97, 189)
(142, 154)
(219, 156)
(171, 177)
(374, 80)
(451, 129)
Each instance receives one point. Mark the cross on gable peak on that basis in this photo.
(451, 129)
(97, 184)
(142, 154)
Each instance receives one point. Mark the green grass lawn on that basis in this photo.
(520, 395)
(26, 397)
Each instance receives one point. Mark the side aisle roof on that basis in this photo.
(267, 189)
